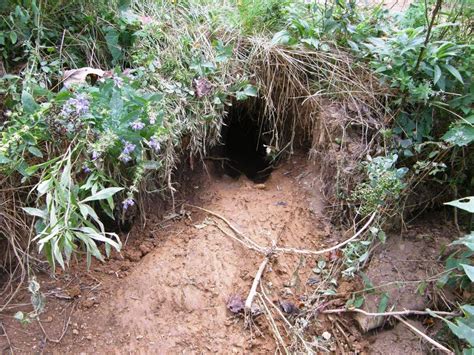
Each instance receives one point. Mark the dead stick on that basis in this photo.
(323, 251)
(424, 336)
(234, 229)
(290, 250)
(8, 339)
(395, 313)
(253, 289)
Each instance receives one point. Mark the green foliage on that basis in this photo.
(384, 184)
(90, 146)
(461, 274)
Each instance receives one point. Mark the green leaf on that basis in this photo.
(250, 90)
(13, 37)
(469, 270)
(282, 37)
(437, 74)
(4, 159)
(462, 331)
(468, 241)
(466, 204)
(35, 212)
(383, 303)
(467, 308)
(454, 72)
(460, 135)
(103, 194)
(28, 102)
(35, 151)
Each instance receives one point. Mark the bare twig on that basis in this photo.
(424, 336)
(253, 289)
(66, 325)
(323, 251)
(276, 332)
(7, 337)
(275, 249)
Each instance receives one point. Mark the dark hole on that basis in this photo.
(244, 148)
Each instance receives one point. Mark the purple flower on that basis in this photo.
(203, 87)
(95, 155)
(118, 81)
(128, 148)
(86, 169)
(128, 203)
(125, 158)
(137, 125)
(154, 144)
(78, 105)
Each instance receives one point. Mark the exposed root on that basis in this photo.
(424, 336)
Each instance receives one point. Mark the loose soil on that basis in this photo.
(167, 291)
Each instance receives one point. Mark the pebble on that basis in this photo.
(326, 335)
(75, 331)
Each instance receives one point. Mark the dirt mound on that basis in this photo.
(169, 293)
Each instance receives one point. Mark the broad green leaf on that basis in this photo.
(466, 203)
(28, 102)
(454, 72)
(282, 37)
(460, 135)
(468, 241)
(4, 159)
(469, 270)
(103, 194)
(462, 331)
(467, 308)
(250, 90)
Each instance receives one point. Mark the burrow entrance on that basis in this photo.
(245, 148)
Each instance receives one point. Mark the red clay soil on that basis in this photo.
(167, 291)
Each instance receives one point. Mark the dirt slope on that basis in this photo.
(173, 299)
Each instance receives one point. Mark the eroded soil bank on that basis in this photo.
(168, 290)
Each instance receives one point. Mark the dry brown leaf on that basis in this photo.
(79, 76)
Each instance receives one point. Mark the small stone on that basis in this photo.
(139, 337)
(326, 335)
(48, 319)
(260, 186)
(134, 255)
(88, 303)
(89, 337)
(146, 247)
(75, 331)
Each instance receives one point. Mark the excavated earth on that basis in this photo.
(168, 290)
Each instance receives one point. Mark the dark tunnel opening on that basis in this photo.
(245, 143)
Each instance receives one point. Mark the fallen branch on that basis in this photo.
(323, 251)
(276, 249)
(234, 229)
(424, 336)
(386, 314)
(253, 289)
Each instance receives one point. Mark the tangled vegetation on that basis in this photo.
(80, 148)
